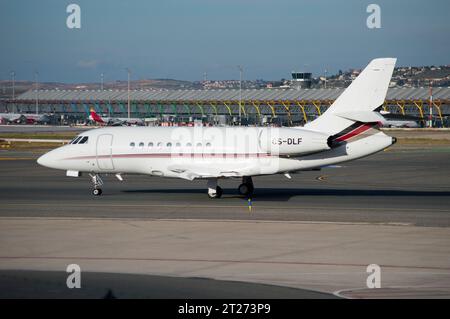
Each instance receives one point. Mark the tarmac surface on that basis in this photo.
(316, 232)
(410, 186)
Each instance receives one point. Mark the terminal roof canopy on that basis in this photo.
(439, 93)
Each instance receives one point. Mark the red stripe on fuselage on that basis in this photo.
(360, 129)
(169, 155)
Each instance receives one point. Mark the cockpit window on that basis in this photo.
(75, 141)
(83, 140)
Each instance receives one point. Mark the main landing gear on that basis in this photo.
(245, 189)
(97, 181)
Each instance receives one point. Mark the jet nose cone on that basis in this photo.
(42, 160)
(46, 160)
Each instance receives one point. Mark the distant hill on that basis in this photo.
(403, 77)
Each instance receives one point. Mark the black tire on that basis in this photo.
(96, 192)
(219, 192)
(245, 189)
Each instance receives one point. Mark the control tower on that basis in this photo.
(301, 80)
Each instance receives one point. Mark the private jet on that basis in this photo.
(400, 120)
(348, 130)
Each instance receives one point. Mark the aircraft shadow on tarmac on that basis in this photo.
(280, 194)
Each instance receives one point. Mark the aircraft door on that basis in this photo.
(104, 152)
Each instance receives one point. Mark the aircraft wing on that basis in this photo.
(193, 171)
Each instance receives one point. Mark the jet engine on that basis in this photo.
(289, 141)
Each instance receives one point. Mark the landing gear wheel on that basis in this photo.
(218, 193)
(96, 192)
(97, 181)
(245, 189)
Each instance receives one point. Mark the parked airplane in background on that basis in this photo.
(345, 132)
(399, 120)
(10, 117)
(114, 121)
(23, 118)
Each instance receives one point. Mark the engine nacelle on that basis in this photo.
(288, 141)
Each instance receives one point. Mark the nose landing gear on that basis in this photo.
(97, 181)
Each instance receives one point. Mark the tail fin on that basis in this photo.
(96, 117)
(357, 103)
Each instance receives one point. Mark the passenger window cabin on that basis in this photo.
(158, 145)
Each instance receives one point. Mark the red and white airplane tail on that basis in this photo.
(359, 101)
(352, 116)
(97, 118)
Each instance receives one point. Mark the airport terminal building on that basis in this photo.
(254, 106)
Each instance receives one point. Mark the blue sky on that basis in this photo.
(184, 38)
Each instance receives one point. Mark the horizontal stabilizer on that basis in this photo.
(364, 117)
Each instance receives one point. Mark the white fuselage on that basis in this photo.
(207, 152)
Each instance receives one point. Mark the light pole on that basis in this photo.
(325, 78)
(240, 92)
(36, 91)
(129, 73)
(13, 79)
(431, 104)
(101, 83)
